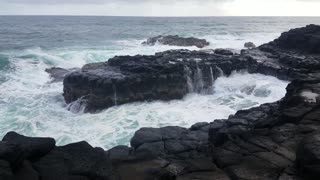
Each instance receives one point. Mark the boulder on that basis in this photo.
(33, 148)
(176, 141)
(249, 45)
(78, 159)
(177, 41)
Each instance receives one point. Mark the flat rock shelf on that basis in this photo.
(275, 141)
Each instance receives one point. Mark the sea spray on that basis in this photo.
(211, 75)
(220, 71)
(198, 79)
(210, 90)
(77, 106)
(188, 74)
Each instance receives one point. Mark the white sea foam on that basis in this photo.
(236, 41)
(32, 106)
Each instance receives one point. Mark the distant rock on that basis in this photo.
(249, 45)
(177, 41)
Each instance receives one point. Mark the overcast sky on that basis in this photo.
(162, 7)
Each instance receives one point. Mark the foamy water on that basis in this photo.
(30, 105)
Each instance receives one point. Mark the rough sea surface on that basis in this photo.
(31, 105)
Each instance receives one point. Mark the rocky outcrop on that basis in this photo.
(164, 76)
(177, 41)
(301, 39)
(276, 141)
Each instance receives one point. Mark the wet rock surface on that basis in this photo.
(177, 41)
(276, 141)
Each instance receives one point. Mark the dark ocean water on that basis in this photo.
(49, 32)
(30, 105)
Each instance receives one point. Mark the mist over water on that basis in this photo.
(31, 105)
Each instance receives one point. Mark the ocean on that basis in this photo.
(31, 105)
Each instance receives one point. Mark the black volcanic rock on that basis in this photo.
(26, 171)
(164, 76)
(5, 171)
(32, 147)
(78, 159)
(165, 141)
(11, 153)
(306, 39)
(177, 41)
(308, 156)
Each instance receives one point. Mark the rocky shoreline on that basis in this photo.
(276, 141)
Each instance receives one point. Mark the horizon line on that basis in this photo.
(151, 16)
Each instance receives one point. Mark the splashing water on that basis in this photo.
(32, 106)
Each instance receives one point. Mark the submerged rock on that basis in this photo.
(177, 41)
